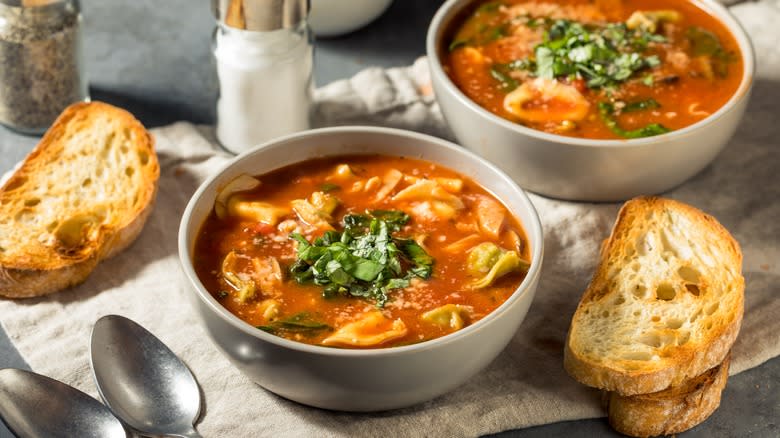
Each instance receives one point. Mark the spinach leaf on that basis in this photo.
(300, 322)
(640, 105)
(484, 33)
(703, 42)
(329, 187)
(364, 260)
(494, 33)
(456, 44)
(607, 111)
(488, 8)
(706, 43)
(508, 83)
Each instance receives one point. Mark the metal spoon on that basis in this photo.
(33, 405)
(142, 381)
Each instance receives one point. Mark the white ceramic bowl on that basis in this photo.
(361, 380)
(330, 18)
(582, 169)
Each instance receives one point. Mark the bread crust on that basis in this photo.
(675, 363)
(39, 268)
(671, 411)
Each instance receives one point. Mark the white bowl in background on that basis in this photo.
(584, 169)
(329, 18)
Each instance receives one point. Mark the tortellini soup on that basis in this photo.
(603, 69)
(360, 251)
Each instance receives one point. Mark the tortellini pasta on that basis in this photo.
(245, 276)
(238, 184)
(389, 182)
(428, 190)
(257, 211)
(491, 216)
(561, 102)
(370, 330)
(649, 20)
(317, 210)
(266, 272)
(452, 316)
(492, 262)
(430, 200)
(269, 309)
(243, 285)
(230, 202)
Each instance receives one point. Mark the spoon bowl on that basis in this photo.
(32, 405)
(143, 381)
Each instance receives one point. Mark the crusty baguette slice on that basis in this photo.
(664, 305)
(672, 410)
(83, 194)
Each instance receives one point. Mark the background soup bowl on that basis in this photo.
(583, 169)
(330, 18)
(361, 380)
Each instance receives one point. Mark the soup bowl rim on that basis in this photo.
(533, 230)
(437, 30)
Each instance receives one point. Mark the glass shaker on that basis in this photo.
(264, 59)
(42, 62)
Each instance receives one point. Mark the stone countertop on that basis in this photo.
(154, 59)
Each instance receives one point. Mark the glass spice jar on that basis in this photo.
(42, 62)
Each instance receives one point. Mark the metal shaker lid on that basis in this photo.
(260, 15)
(29, 3)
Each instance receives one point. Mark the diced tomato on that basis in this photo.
(262, 228)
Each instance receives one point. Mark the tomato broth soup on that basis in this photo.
(600, 69)
(360, 251)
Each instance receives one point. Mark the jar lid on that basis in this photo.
(260, 15)
(28, 3)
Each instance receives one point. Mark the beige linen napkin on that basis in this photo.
(526, 385)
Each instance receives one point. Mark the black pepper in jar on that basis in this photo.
(40, 62)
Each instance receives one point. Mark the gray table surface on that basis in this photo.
(154, 59)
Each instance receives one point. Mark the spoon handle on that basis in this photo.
(192, 433)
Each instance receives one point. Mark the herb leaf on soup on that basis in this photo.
(364, 260)
(607, 112)
(298, 323)
(329, 187)
(706, 44)
(640, 105)
(604, 56)
(507, 82)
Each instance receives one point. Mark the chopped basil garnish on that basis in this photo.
(603, 56)
(364, 260)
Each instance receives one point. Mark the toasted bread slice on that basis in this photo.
(664, 305)
(83, 194)
(672, 410)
